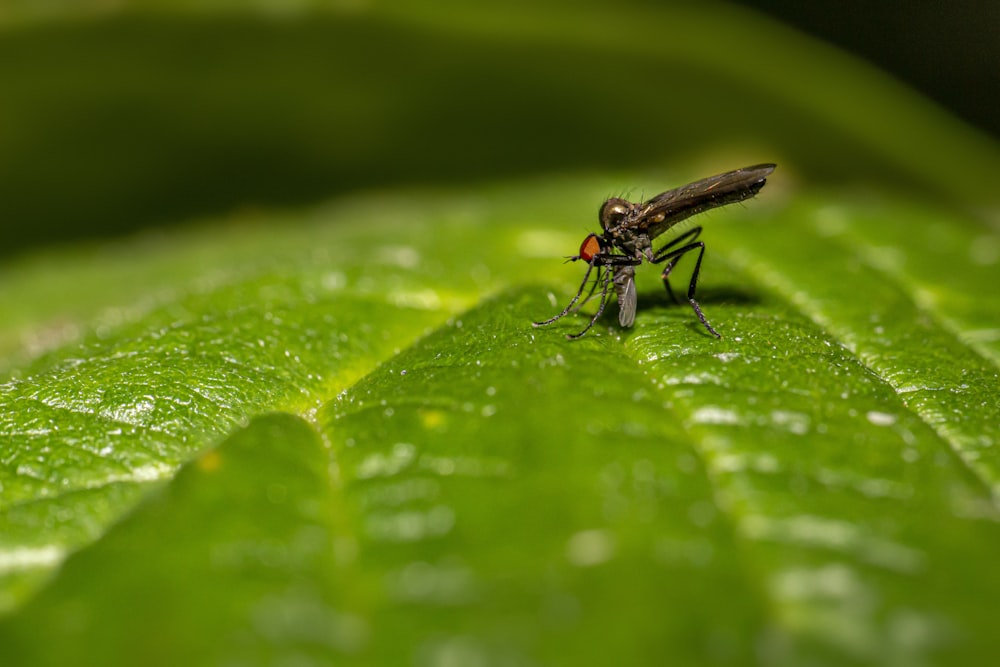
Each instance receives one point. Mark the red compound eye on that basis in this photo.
(590, 247)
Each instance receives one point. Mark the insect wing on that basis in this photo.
(627, 300)
(667, 209)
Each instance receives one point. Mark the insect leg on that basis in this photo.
(687, 236)
(590, 294)
(677, 254)
(569, 306)
(600, 308)
(616, 261)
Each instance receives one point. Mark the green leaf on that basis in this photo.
(819, 484)
(271, 556)
(111, 130)
(333, 435)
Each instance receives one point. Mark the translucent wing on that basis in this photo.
(667, 209)
(625, 289)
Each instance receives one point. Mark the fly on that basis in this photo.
(629, 230)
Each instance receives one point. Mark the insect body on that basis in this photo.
(629, 229)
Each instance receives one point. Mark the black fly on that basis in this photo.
(629, 230)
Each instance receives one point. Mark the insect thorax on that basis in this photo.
(630, 243)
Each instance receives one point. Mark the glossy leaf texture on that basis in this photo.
(818, 485)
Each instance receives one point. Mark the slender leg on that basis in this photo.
(569, 306)
(687, 236)
(604, 264)
(692, 286)
(600, 308)
(590, 294)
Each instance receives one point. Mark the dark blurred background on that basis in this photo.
(116, 120)
(950, 51)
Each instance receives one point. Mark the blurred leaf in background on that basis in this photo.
(284, 432)
(947, 51)
(152, 112)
